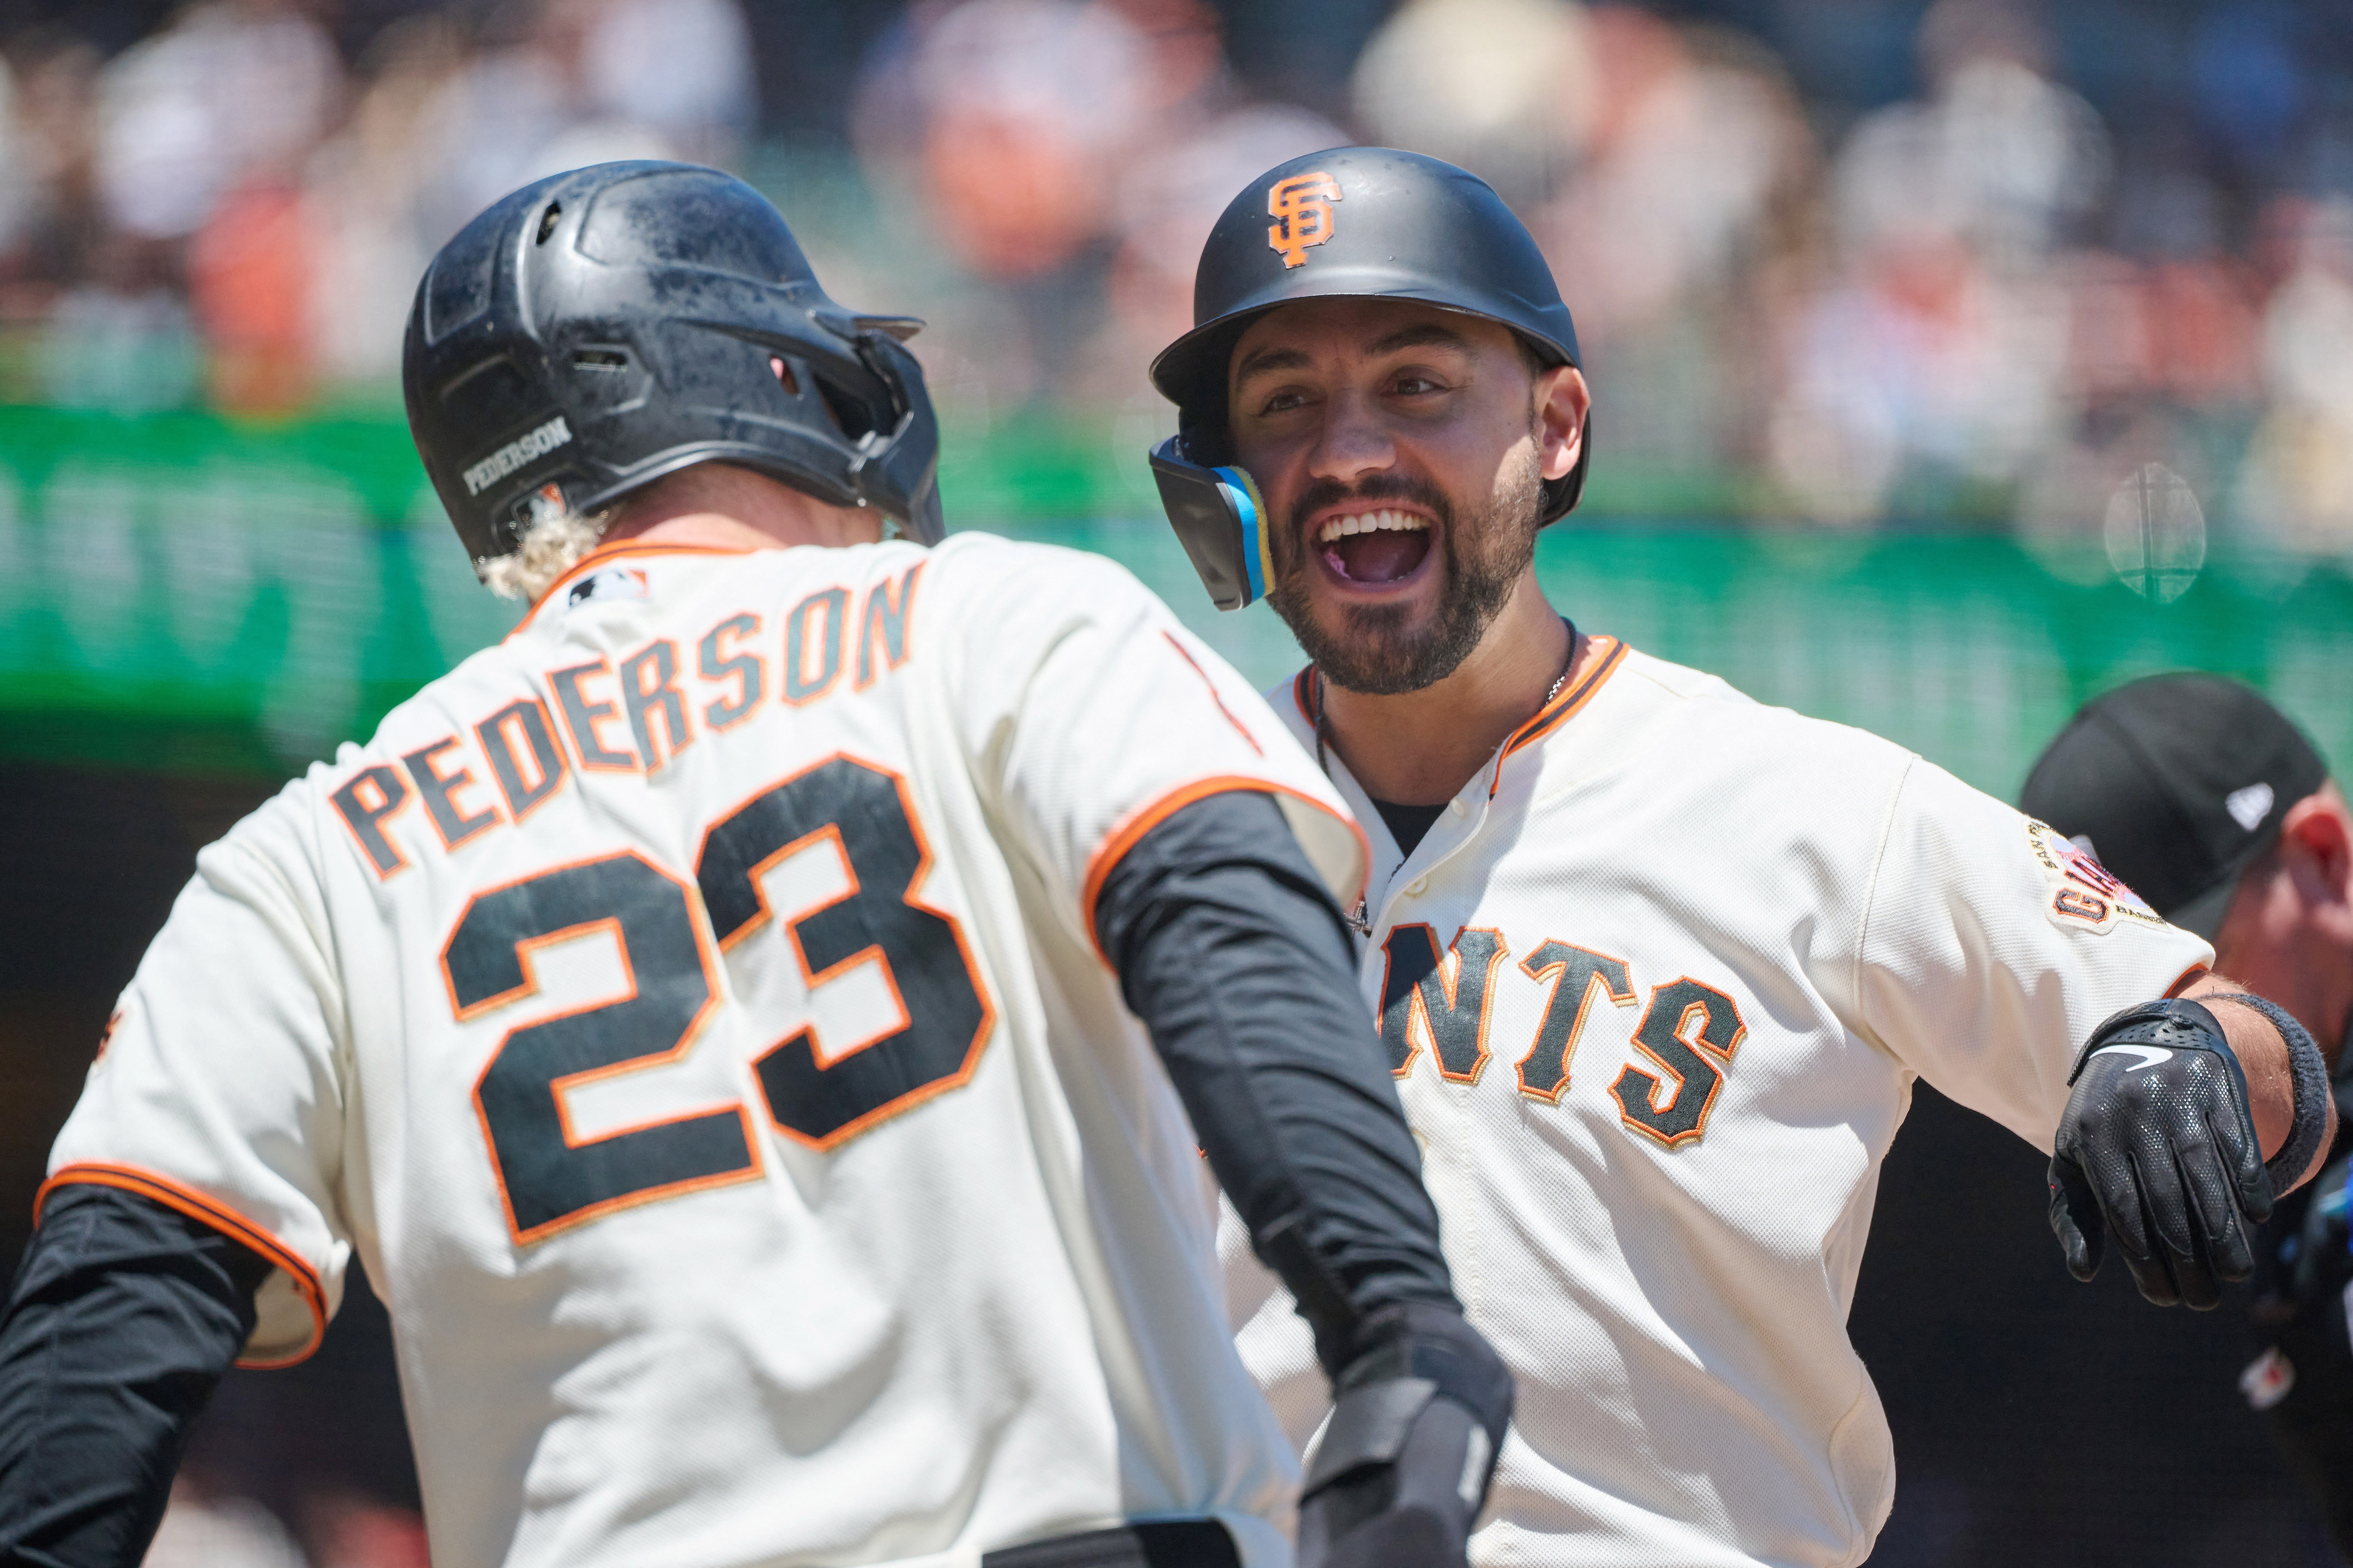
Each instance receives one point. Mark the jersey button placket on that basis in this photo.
(1460, 809)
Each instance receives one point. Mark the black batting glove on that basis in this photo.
(1417, 1418)
(2158, 1146)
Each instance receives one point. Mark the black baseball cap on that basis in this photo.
(2175, 784)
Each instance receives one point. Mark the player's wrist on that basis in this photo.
(1432, 1342)
(1408, 1356)
(2307, 1073)
(1402, 1468)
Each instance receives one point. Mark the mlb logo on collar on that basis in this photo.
(609, 584)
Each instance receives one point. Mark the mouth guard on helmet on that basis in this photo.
(1218, 517)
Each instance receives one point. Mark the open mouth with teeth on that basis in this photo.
(1374, 547)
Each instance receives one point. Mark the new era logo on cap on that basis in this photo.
(2249, 806)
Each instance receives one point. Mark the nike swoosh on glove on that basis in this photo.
(2157, 1147)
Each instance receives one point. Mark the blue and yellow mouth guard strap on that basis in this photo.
(1219, 518)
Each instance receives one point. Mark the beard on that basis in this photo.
(1376, 650)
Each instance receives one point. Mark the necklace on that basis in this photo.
(1358, 918)
(1550, 695)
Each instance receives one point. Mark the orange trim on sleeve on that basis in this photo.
(2189, 978)
(604, 552)
(208, 1212)
(1124, 837)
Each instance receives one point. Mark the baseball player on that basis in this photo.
(2211, 803)
(747, 1021)
(1656, 966)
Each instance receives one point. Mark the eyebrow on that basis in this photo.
(1421, 335)
(1261, 360)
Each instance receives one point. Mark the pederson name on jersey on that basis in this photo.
(629, 716)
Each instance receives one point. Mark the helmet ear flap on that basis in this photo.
(1220, 518)
(864, 391)
(853, 416)
(904, 449)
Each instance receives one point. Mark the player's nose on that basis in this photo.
(1351, 442)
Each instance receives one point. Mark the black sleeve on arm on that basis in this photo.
(125, 1316)
(1237, 959)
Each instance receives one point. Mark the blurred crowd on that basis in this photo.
(2052, 243)
(230, 211)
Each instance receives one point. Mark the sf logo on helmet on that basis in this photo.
(1302, 215)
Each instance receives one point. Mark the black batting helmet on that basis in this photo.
(602, 328)
(1365, 222)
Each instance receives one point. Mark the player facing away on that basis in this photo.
(1656, 966)
(747, 1021)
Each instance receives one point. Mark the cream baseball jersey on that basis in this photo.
(689, 1010)
(1656, 986)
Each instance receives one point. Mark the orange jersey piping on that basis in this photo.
(1562, 708)
(1240, 729)
(1145, 819)
(208, 1212)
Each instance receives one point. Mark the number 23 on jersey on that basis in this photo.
(843, 839)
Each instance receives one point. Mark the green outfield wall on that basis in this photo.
(180, 592)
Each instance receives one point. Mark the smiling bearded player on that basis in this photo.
(1656, 966)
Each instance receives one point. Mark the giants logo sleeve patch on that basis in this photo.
(2082, 894)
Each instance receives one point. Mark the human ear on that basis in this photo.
(1561, 403)
(2317, 844)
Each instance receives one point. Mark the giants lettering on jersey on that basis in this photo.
(629, 716)
(1690, 1030)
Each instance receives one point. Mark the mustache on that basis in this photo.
(1322, 493)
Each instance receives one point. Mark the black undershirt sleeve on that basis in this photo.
(124, 1315)
(1238, 962)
